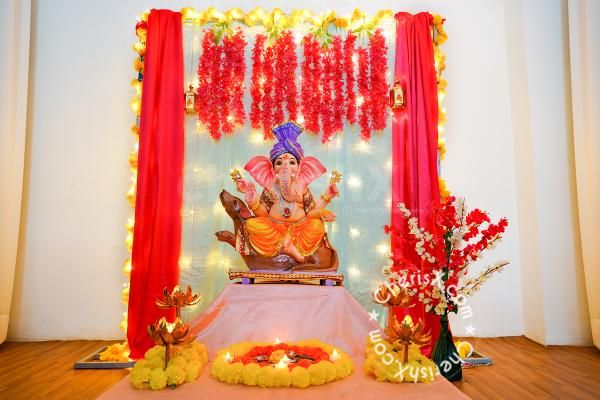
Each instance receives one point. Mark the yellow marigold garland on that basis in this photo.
(386, 365)
(269, 377)
(184, 366)
(115, 352)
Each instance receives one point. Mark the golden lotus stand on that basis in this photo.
(308, 278)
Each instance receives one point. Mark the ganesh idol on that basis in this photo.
(282, 227)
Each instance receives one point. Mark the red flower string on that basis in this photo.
(337, 77)
(267, 106)
(256, 90)
(325, 105)
(378, 81)
(363, 90)
(311, 74)
(290, 61)
(278, 81)
(349, 53)
(238, 44)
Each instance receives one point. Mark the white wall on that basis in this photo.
(68, 279)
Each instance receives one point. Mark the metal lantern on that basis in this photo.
(397, 99)
(190, 101)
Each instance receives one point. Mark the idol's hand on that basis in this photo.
(324, 215)
(244, 187)
(327, 216)
(331, 192)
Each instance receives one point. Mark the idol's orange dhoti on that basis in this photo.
(267, 236)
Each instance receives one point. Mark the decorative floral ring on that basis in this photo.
(300, 364)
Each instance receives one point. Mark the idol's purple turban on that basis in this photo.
(287, 141)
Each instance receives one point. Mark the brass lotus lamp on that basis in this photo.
(167, 334)
(405, 333)
(178, 299)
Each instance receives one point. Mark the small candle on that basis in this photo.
(228, 357)
(335, 355)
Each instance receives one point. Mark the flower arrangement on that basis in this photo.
(387, 365)
(184, 366)
(300, 364)
(456, 239)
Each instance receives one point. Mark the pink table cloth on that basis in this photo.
(288, 312)
(262, 313)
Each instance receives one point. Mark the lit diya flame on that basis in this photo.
(228, 357)
(166, 334)
(283, 363)
(334, 355)
(405, 333)
(178, 299)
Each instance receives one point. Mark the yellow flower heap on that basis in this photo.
(386, 364)
(184, 366)
(227, 368)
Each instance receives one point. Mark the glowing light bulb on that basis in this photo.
(383, 248)
(354, 232)
(363, 147)
(354, 182)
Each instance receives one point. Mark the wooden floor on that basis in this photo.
(522, 369)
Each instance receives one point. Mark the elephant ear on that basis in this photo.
(310, 169)
(261, 170)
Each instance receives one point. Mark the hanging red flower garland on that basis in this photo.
(221, 70)
(326, 103)
(337, 77)
(311, 76)
(349, 60)
(289, 66)
(256, 91)
(267, 103)
(363, 99)
(205, 74)
(273, 89)
(378, 81)
(237, 51)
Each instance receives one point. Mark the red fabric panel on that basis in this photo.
(157, 232)
(414, 141)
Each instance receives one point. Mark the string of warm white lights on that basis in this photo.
(439, 37)
(140, 48)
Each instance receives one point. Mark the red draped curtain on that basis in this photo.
(157, 231)
(414, 142)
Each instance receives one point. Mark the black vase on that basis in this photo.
(445, 354)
